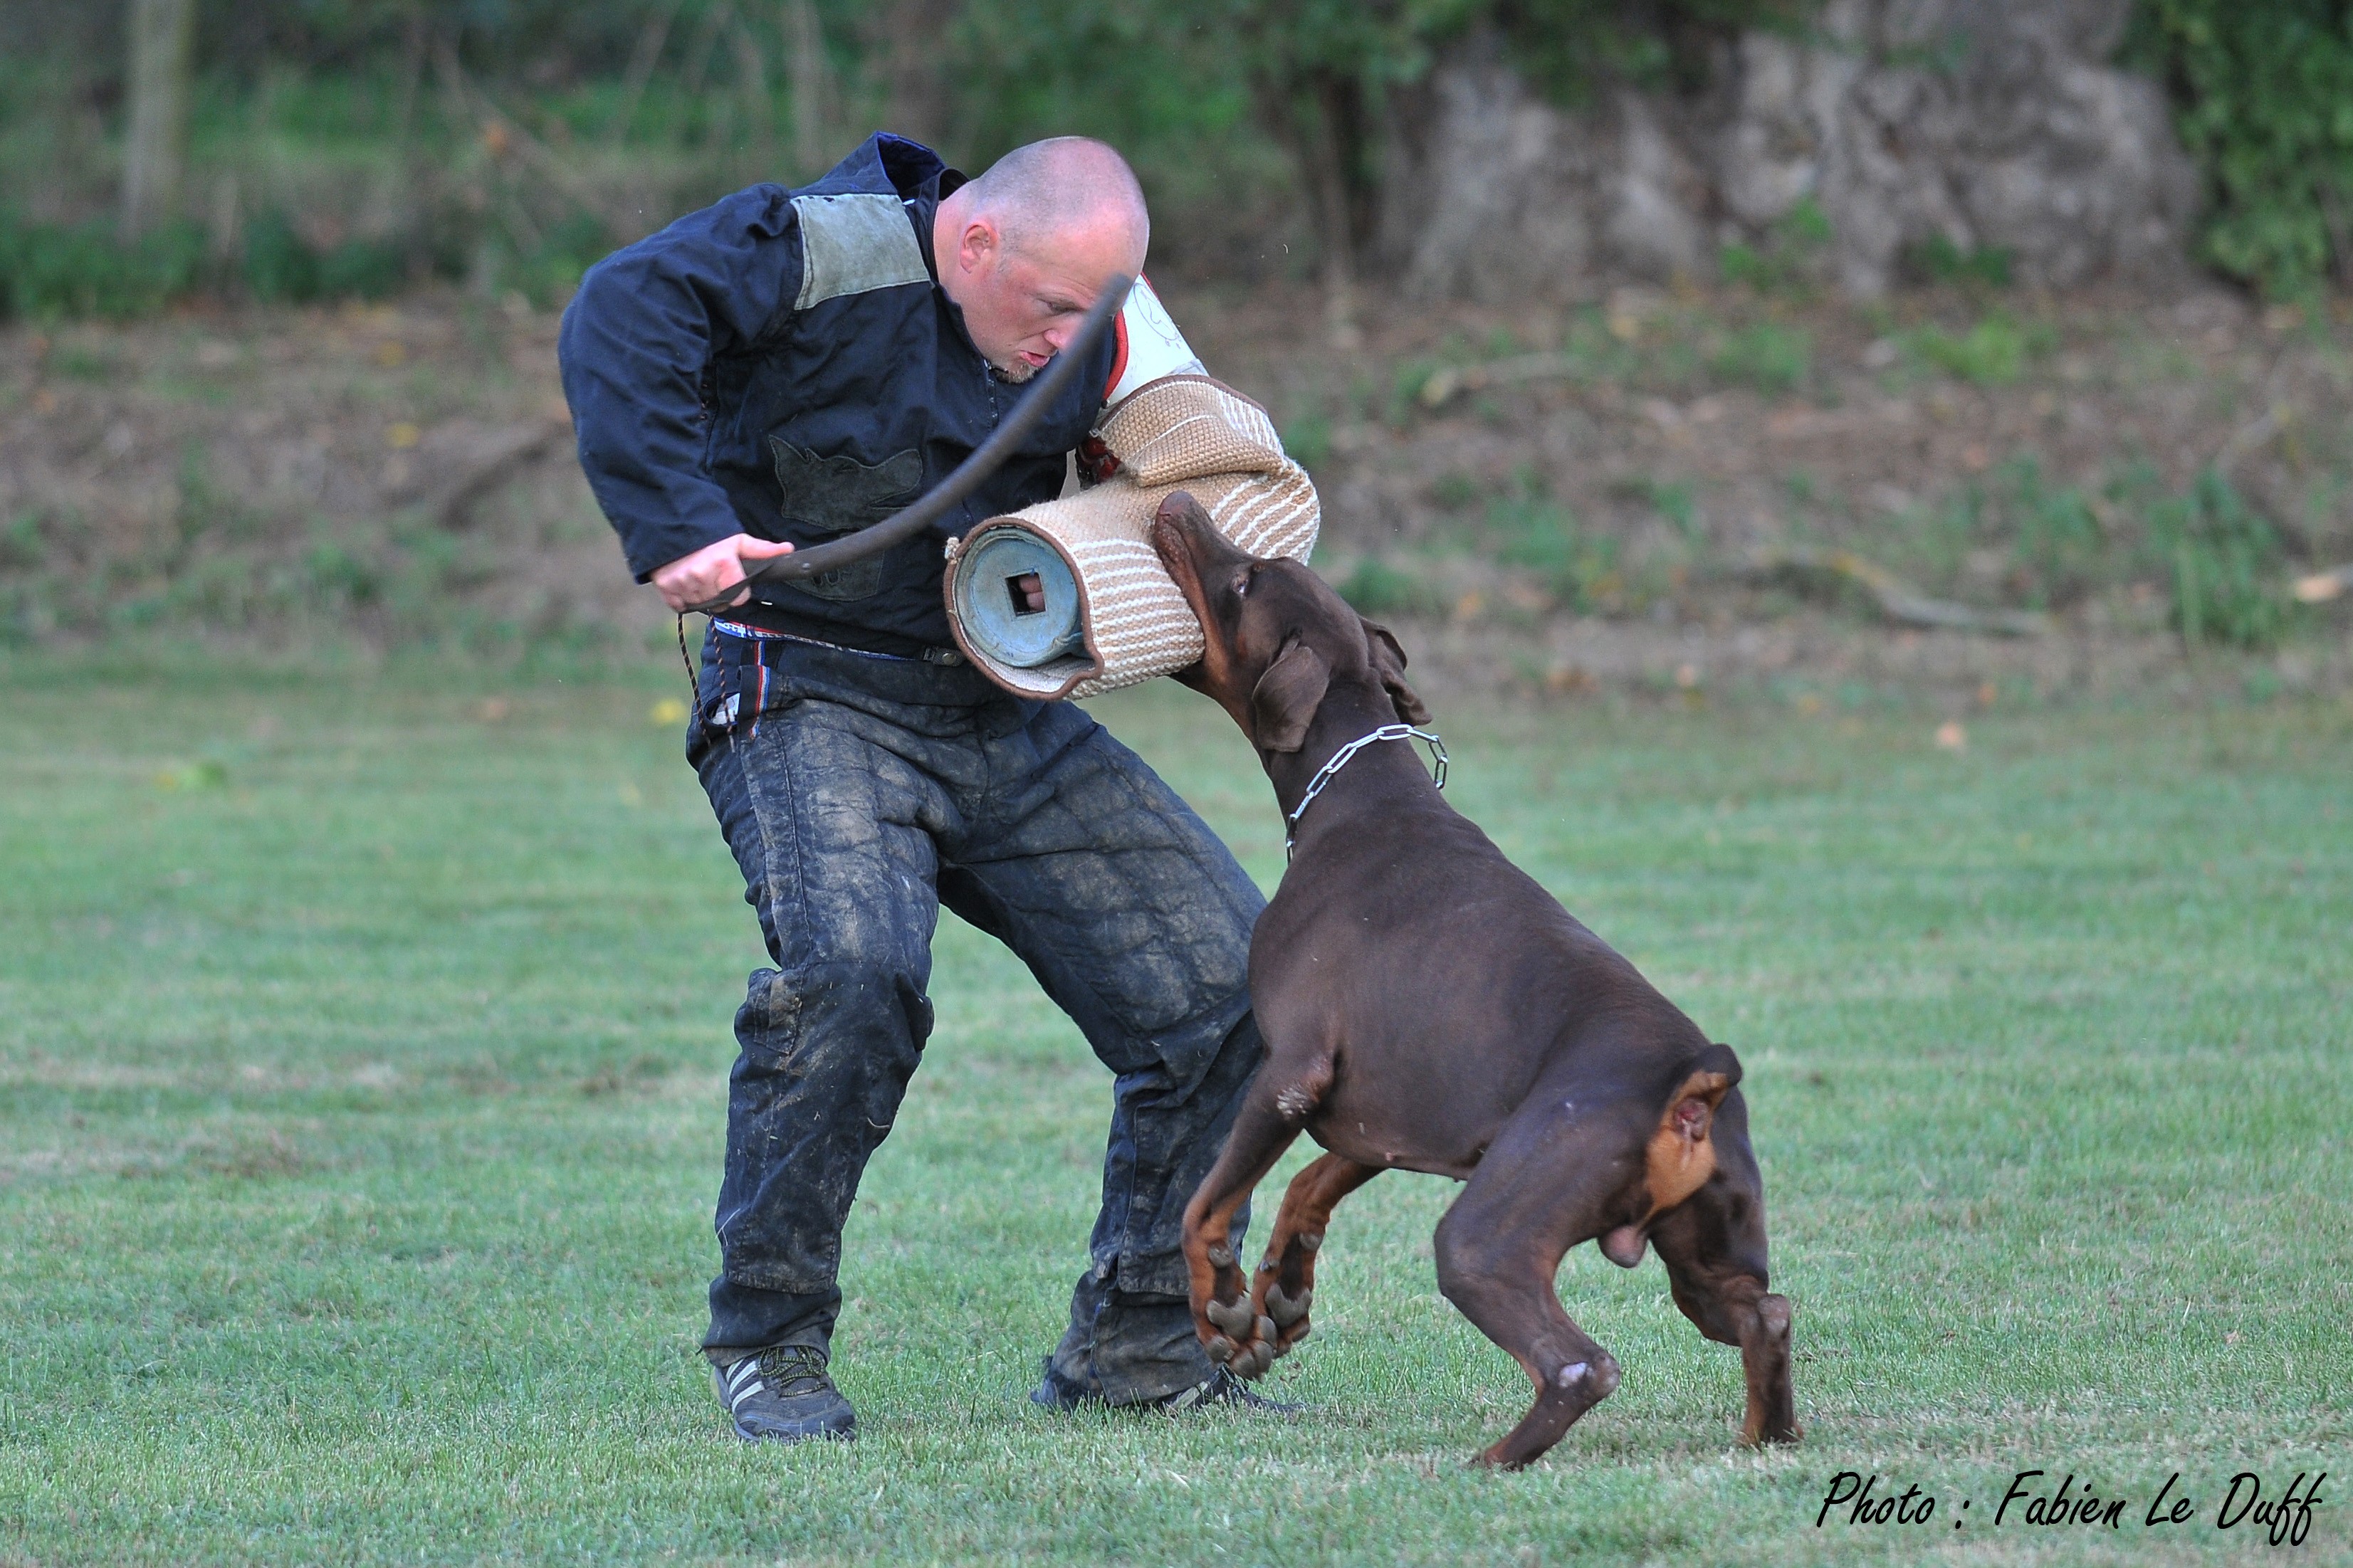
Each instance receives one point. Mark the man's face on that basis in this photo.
(1021, 306)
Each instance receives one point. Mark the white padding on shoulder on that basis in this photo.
(1150, 344)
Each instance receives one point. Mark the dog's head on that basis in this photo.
(1279, 638)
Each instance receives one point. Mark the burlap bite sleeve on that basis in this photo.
(1181, 432)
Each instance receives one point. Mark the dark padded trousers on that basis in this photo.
(859, 794)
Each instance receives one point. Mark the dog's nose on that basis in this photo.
(1180, 511)
(1175, 527)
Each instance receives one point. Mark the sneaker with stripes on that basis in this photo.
(782, 1395)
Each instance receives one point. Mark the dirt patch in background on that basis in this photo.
(391, 472)
(1594, 516)
(1557, 501)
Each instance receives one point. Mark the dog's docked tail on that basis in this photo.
(1716, 1060)
(1682, 1157)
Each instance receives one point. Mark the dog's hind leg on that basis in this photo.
(1231, 1327)
(1713, 1246)
(1286, 1281)
(1498, 1249)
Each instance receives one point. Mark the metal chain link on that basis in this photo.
(1340, 759)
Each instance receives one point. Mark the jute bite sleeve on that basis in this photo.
(1181, 432)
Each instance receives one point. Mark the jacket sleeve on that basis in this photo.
(636, 348)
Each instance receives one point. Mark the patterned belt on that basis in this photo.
(944, 656)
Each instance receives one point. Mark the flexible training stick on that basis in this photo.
(835, 553)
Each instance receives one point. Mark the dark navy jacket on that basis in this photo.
(785, 363)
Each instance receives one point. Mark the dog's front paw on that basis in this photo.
(1287, 1312)
(1286, 1289)
(1244, 1343)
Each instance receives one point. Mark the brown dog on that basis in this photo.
(1426, 1007)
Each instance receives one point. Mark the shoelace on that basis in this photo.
(793, 1369)
(785, 1370)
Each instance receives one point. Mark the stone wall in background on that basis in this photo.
(1988, 124)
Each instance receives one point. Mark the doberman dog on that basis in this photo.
(1426, 1007)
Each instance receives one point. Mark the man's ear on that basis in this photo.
(1286, 697)
(1389, 662)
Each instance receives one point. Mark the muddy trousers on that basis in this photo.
(859, 794)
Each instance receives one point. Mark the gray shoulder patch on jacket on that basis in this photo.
(853, 243)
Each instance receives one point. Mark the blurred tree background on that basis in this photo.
(298, 149)
(2265, 91)
(1618, 257)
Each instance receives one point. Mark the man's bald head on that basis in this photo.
(1066, 189)
(1024, 250)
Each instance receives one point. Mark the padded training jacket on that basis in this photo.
(785, 363)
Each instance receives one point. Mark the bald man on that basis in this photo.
(786, 367)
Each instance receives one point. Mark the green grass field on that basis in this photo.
(361, 1049)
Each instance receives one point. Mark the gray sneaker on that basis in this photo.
(782, 1395)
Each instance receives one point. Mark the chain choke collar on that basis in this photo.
(1341, 758)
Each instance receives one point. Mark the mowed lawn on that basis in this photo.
(363, 1042)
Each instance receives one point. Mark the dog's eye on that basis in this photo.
(1241, 584)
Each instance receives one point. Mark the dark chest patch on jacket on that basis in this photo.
(837, 495)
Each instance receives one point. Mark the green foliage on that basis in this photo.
(23, 544)
(1671, 499)
(49, 271)
(280, 265)
(1993, 353)
(2056, 543)
(1407, 382)
(557, 36)
(2047, 546)
(341, 575)
(551, 269)
(1568, 48)
(2265, 97)
(1144, 76)
(277, 264)
(1307, 440)
(1454, 490)
(364, 269)
(1789, 257)
(1530, 529)
(1379, 586)
(1939, 260)
(2225, 564)
(57, 271)
(1768, 356)
(1233, 109)
(1746, 264)
(2055, 548)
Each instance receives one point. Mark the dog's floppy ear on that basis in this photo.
(1389, 662)
(1286, 697)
